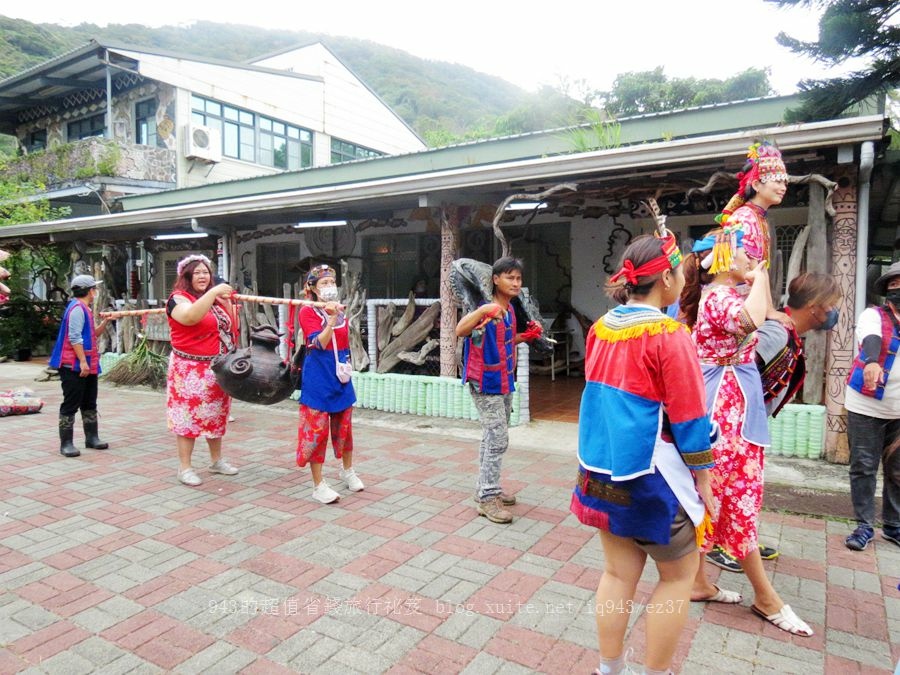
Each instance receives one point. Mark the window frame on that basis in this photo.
(93, 119)
(142, 123)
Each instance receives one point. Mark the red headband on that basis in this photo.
(669, 260)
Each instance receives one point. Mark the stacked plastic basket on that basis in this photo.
(798, 431)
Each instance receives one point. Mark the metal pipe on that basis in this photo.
(109, 111)
(866, 162)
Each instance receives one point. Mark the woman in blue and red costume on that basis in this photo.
(644, 452)
(724, 315)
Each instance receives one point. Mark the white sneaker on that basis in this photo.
(324, 494)
(189, 477)
(352, 480)
(221, 466)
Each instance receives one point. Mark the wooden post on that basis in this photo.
(449, 253)
(816, 261)
(841, 338)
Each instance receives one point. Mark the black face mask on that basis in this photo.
(893, 297)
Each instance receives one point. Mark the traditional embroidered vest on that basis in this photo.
(890, 340)
(489, 356)
(786, 371)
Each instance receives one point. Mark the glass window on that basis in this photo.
(90, 126)
(145, 122)
(36, 140)
(253, 138)
(342, 151)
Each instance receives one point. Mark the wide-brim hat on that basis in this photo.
(880, 285)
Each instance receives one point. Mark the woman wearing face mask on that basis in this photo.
(326, 402)
(812, 304)
(724, 316)
(872, 400)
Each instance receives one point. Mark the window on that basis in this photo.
(395, 262)
(36, 140)
(276, 265)
(90, 126)
(254, 138)
(342, 151)
(284, 146)
(145, 122)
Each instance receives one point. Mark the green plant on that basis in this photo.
(27, 324)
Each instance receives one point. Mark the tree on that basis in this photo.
(17, 207)
(847, 29)
(650, 91)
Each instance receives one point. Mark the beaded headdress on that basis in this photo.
(319, 272)
(764, 163)
(669, 259)
(721, 246)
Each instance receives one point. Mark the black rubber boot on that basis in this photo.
(91, 439)
(66, 431)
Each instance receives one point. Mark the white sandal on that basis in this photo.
(723, 596)
(786, 620)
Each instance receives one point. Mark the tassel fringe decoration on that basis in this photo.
(703, 530)
(656, 327)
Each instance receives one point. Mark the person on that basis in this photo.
(489, 366)
(76, 358)
(202, 326)
(873, 416)
(811, 305)
(643, 453)
(325, 401)
(724, 316)
(762, 184)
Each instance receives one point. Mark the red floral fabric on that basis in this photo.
(312, 436)
(195, 403)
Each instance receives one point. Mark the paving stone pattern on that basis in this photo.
(109, 565)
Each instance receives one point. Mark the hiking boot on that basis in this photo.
(891, 534)
(859, 538)
(66, 433)
(223, 467)
(768, 553)
(720, 558)
(352, 480)
(324, 494)
(505, 499)
(493, 510)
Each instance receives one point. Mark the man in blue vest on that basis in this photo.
(77, 359)
(489, 366)
(873, 415)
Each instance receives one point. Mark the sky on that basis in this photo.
(527, 43)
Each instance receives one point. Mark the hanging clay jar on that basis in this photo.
(256, 374)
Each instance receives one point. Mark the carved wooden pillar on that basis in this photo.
(841, 338)
(817, 260)
(449, 252)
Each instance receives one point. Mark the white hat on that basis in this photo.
(83, 281)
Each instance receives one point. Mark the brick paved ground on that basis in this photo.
(108, 564)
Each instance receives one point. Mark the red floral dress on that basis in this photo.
(723, 335)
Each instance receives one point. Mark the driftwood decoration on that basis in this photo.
(723, 178)
(418, 358)
(417, 331)
(532, 197)
(354, 299)
(406, 318)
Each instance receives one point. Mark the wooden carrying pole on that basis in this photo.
(234, 296)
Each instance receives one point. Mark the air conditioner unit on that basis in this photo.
(203, 143)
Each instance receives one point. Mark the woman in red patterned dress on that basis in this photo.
(202, 326)
(724, 315)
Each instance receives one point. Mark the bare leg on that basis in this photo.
(703, 587)
(316, 469)
(667, 610)
(215, 449)
(185, 447)
(765, 596)
(615, 593)
(347, 459)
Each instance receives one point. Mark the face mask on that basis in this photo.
(329, 293)
(831, 319)
(893, 297)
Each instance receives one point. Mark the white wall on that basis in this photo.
(351, 111)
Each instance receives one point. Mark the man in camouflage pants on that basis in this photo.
(489, 366)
